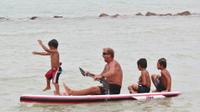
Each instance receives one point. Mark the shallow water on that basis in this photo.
(82, 35)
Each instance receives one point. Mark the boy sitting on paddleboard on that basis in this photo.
(163, 82)
(55, 70)
(144, 82)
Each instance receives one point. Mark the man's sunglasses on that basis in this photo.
(104, 53)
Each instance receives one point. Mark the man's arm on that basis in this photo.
(45, 48)
(104, 73)
(40, 53)
(104, 70)
(100, 76)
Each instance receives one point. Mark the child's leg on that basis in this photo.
(57, 89)
(48, 76)
(48, 86)
(130, 89)
(133, 88)
(154, 79)
(55, 82)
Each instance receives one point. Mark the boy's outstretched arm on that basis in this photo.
(40, 53)
(44, 47)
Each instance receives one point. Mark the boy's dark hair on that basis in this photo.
(53, 43)
(163, 62)
(142, 62)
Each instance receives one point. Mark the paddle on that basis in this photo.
(102, 81)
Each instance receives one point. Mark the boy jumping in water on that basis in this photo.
(163, 82)
(55, 70)
(144, 82)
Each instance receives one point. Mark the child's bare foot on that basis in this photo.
(131, 92)
(65, 94)
(154, 91)
(55, 93)
(47, 88)
(68, 91)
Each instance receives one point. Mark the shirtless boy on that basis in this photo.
(144, 82)
(162, 82)
(55, 70)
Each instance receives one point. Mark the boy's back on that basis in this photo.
(145, 78)
(166, 79)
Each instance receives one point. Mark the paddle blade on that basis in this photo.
(82, 71)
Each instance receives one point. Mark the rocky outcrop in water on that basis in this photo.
(155, 14)
(33, 18)
(57, 16)
(106, 15)
(150, 14)
(103, 15)
(184, 13)
(3, 18)
(116, 15)
(139, 14)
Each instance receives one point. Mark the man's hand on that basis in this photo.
(98, 77)
(87, 73)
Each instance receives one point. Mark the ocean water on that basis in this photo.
(82, 35)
